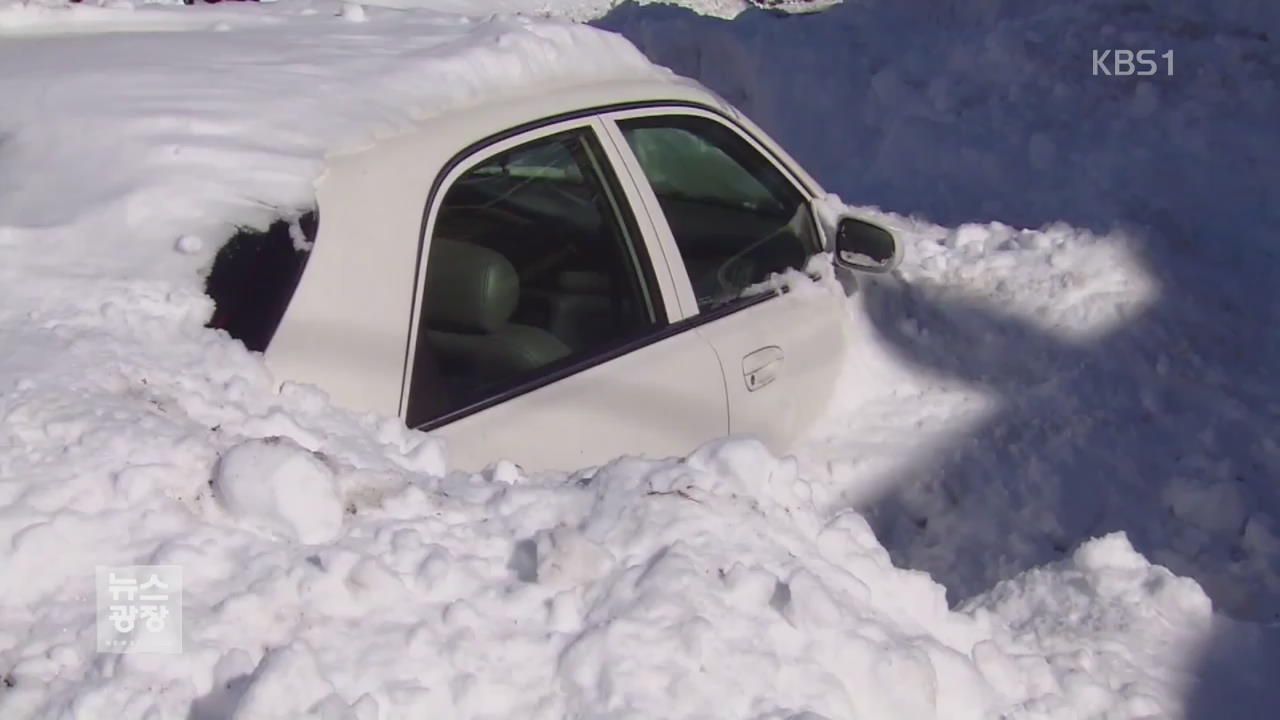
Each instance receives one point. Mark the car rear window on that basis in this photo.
(254, 276)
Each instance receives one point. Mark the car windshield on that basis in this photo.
(679, 163)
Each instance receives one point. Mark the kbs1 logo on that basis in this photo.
(1124, 63)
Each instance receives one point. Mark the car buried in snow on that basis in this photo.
(559, 279)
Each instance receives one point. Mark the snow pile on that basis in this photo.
(276, 483)
(1104, 596)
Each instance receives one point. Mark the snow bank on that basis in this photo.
(1109, 594)
(281, 486)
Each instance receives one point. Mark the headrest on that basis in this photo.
(470, 289)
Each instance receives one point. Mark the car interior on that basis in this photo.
(529, 265)
(254, 275)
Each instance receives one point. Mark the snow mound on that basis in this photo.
(714, 586)
(1110, 594)
(278, 484)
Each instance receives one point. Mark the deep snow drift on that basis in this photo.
(359, 578)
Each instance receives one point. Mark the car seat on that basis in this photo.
(471, 292)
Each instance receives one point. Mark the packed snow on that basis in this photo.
(1017, 391)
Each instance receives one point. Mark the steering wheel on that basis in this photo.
(794, 226)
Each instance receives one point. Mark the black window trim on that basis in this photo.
(610, 353)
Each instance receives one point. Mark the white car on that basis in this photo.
(557, 279)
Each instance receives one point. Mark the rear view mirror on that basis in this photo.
(865, 246)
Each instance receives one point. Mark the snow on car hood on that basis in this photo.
(333, 565)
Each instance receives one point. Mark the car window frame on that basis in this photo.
(675, 263)
(649, 251)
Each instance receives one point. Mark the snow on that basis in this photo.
(30, 17)
(1057, 387)
(281, 486)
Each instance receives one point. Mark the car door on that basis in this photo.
(546, 323)
(734, 215)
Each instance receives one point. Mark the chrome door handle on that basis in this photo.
(761, 367)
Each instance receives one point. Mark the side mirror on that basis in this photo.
(865, 246)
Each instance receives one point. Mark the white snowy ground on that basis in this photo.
(374, 583)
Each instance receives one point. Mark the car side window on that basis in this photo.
(535, 264)
(254, 276)
(736, 218)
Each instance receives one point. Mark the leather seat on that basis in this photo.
(471, 293)
(579, 309)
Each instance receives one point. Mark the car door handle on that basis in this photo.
(761, 367)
